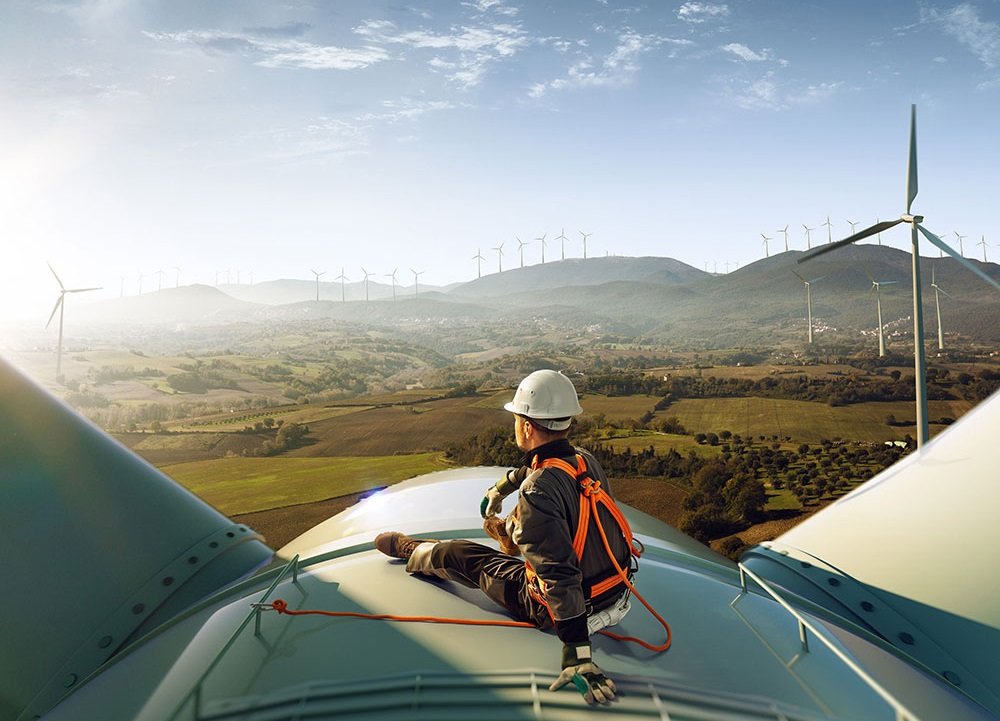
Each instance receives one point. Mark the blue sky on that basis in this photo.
(278, 137)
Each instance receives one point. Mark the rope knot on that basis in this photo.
(279, 605)
(589, 486)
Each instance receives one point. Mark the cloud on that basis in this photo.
(617, 68)
(477, 46)
(962, 22)
(407, 109)
(496, 6)
(319, 139)
(289, 30)
(276, 53)
(744, 53)
(698, 12)
(770, 92)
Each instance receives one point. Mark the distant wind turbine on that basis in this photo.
(563, 238)
(366, 281)
(785, 231)
(879, 234)
(159, 283)
(961, 248)
(342, 278)
(877, 290)
(416, 281)
(767, 252)
(937, 306)
(542, 241)
(983, 243)
(808, 231)
(853, 224)
(920, 373)
(121, 290)
(317, 274)
(585, 236)
(478, 257)
(809, 303)
(829, 230)
(177, 276)
(499, 250)
(393, 276)
(61, 306)
(251, 278)
(238, 277)
(520, 248)
(216, 281)
(141, 277)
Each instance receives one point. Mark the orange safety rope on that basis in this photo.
(281, 606)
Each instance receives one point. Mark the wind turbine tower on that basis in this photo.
(317, 274)
(983, 243)
(542, 241)
(767, 251)
(366, 282)
(937, 306)
(853, 224)
(342, 278)
(562, 237)
(416, 281)
(876, 289)
(393, 276)
(499, 250)
(159, 281)
(785, 231)
(961, 247)
(61, 306)
(809, 303)
(585, 236)
(177, 276)
(808, 231)
(829, 230)
(478, 257)
(520, 249)
(914, 221)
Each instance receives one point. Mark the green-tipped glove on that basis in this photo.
(492, 502)
(588, 678)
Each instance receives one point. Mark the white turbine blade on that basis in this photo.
(54, 309)
(938, 288)
(61, 286)
(800, 277)
(957, 256)
(877, 228)
(911, 172)
(817, 279)
(83, 290)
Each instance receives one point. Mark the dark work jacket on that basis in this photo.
(547, 516)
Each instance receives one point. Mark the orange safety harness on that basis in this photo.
(591, 494)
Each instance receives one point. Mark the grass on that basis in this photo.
(804, 421)
(661, 443)
(617, 408)
(245, 485)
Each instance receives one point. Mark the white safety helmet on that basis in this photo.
(548, 398)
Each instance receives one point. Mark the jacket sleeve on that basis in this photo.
(544, 535)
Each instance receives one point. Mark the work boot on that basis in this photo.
(398, 545)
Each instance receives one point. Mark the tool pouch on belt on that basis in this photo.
(496, 527)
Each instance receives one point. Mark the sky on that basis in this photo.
(169, 142)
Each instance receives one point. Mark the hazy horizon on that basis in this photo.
(202, 139)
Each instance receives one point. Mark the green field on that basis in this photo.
(661, 443)
(617, 408)
(802, 420)
(244, 485)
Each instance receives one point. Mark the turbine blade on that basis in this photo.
(799, 277)
(942, 290)
(877, 228)
(83, 290)
(54, 308)
(61, 286)
(957, 256)
(911, 172)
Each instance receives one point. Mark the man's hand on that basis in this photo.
(588, 678)
(492, 503)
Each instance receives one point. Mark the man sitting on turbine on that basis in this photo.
(567, 574)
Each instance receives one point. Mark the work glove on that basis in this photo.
(588, 678)
(492, 502)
